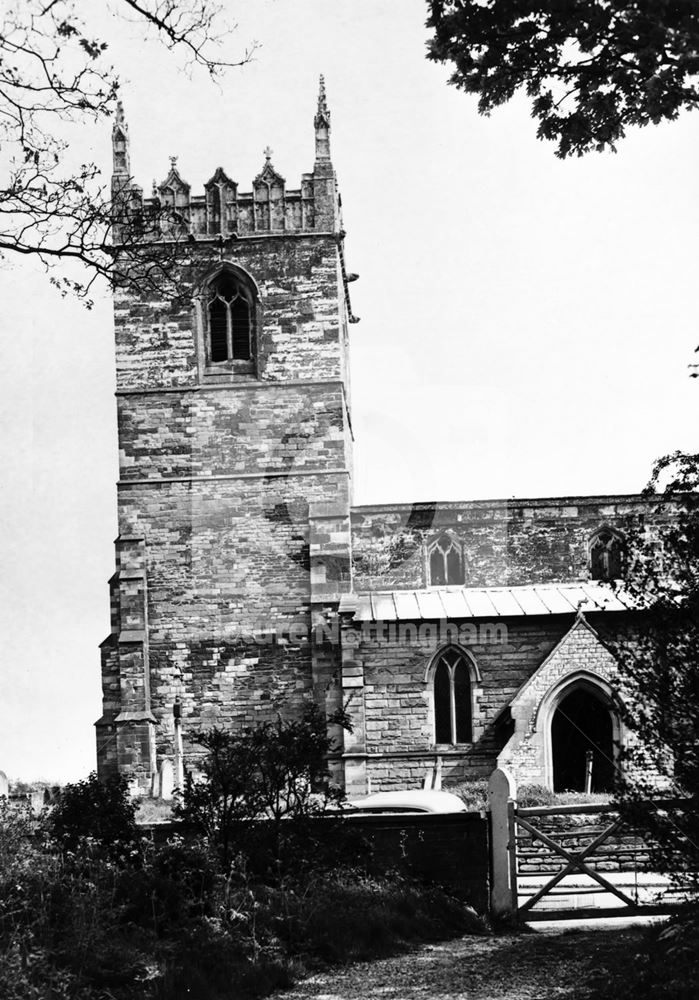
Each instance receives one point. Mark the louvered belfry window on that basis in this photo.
(230, 311)
(452, 698)
(446, 566)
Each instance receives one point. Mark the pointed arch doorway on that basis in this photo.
(583, 724)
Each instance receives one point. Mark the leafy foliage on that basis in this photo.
(276, 771)
(94, 811)
(54, 75)
(591, 67)
(474, 794)
(659, 665)
(535, 795)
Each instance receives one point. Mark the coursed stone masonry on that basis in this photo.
(211, 601)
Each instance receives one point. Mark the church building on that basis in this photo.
(459, 636)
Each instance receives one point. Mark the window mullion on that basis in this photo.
(452, 704)
(229, 331)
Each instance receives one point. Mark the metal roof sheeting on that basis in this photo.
(485, 602)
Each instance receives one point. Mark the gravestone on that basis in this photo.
(155, 785)
(4, 785)
(167, 780)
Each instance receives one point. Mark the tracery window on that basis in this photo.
(230, 310)
(606, 555)
(446, 563)
(451, 690)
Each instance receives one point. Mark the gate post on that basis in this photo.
(502, 790)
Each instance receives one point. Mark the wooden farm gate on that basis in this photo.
(569, 861)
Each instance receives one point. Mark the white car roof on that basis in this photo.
(409, 800)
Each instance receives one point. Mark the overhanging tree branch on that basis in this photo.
(53, 73)
(191, 27)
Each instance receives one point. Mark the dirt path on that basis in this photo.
(527, 966)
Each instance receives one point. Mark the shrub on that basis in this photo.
(178, 883)
(58, 928)
(94, 811)
(535, 795)
(474, 794)
(656, 687)
(275, 771)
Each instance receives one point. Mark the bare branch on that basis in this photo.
(53, 72)
(189, 26)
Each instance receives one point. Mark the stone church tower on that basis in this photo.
(235, 445)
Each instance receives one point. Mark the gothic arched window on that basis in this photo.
(446, 563)
(230, 319)
(451, 691)
(606, 555)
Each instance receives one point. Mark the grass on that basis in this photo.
(582, 798)
(153, 811)
(475, 795)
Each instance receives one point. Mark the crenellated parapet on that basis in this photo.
(223, 210)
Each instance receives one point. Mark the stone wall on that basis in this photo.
(388, 694)
(230, 597)
(450, 850)
(301, 324)
(264, 429)
(625, 850)
(505, 542)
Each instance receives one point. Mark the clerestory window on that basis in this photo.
(446, 563)
(230, 320)
(452, 698)
(606, 555)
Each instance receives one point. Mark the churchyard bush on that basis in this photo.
(94, 812)
(474, 794)
(260, 792)
(529, 796)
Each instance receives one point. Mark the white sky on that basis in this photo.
(526, 323)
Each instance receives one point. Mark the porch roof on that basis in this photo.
(485, 602)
